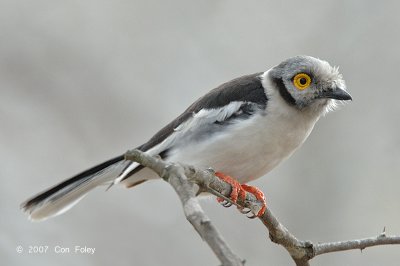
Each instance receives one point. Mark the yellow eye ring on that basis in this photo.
(302, 81)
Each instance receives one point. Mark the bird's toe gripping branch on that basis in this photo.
(259, 196)
(239, 191)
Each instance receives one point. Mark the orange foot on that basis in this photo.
(239, 191)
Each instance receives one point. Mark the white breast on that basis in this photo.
(252, 147)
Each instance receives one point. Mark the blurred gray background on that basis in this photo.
(82, 81)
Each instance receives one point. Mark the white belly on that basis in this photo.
(253, 147)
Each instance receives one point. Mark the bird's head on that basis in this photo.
(309, 83)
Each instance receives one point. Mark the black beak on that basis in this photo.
(337, 94)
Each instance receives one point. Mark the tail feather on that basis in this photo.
(63, 196)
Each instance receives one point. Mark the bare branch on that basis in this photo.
(175, 175)
(182, 177)
(361, 244)
(303, 251)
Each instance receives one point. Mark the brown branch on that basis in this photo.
(182, 177)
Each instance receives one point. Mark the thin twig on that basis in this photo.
(382, 239)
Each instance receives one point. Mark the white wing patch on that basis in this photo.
(208, 116)
(197, 121)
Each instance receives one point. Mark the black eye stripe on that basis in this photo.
(284, 92)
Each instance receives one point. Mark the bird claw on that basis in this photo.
(226, 204)
(245, 210)
(239, 191)
(252, 216)
(224, 201)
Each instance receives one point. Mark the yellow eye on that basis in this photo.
(302, 81)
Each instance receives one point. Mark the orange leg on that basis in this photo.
(259, 196)
(239, 190)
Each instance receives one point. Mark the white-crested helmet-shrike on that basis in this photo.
(241, 129)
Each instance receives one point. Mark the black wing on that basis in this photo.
(247, 89)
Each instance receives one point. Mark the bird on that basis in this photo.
(241, 129)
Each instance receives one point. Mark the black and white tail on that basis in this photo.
(63, 196)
